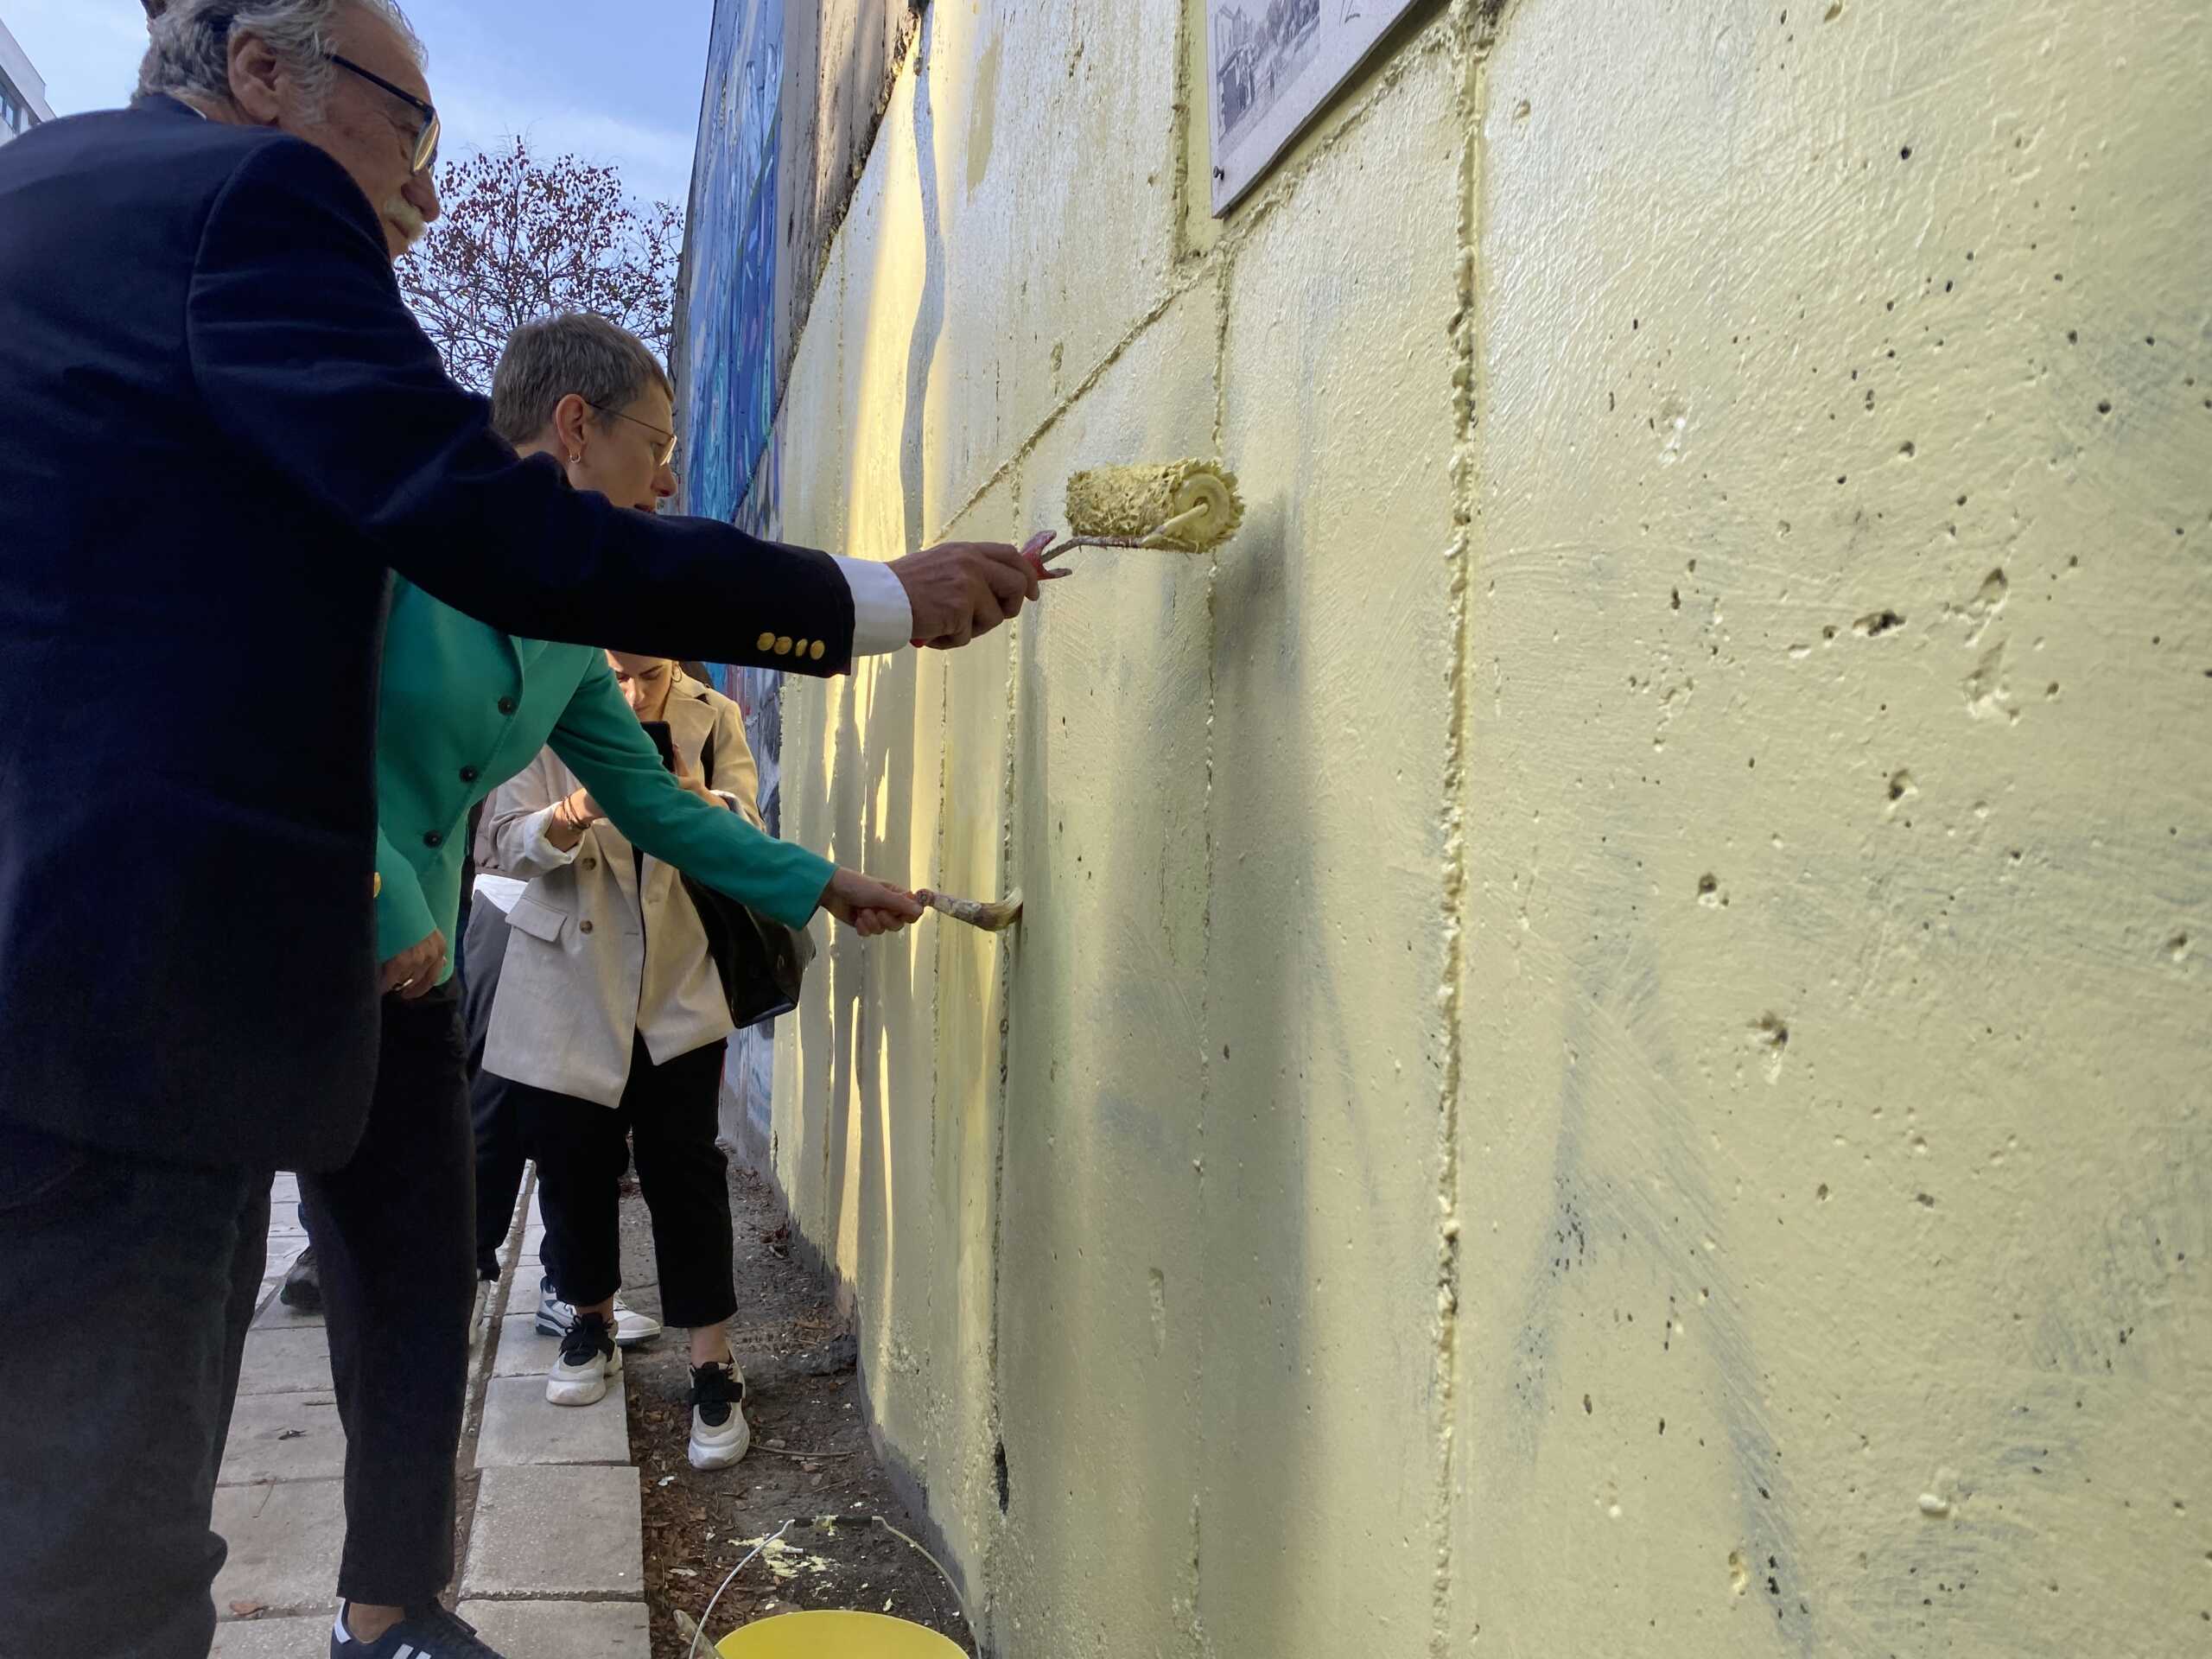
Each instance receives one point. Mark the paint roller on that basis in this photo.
(1177, 506)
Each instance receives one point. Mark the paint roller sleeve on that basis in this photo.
(1191, 505)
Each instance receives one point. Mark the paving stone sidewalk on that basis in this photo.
(554, 1564)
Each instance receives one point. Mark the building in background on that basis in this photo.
(1607, 1053)
(22, 90)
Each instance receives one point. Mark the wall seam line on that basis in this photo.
(1453, 814)
(1178, 182)
(1003, 945)
(1221, 267)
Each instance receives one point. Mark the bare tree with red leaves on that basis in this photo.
(523, 238)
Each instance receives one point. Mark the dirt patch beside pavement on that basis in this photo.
(811, 1464)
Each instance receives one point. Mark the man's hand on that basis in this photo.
(414, 971)
(867, 906)
(960, 590)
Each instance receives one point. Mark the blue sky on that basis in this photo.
(560, 72)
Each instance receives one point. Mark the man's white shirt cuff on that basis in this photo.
(882, 620)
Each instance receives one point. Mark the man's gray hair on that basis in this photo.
(189, 50)
(607, 366)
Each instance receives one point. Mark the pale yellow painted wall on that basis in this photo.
(1561, 1072)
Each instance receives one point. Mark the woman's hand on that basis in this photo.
(867, 906)
(692, 781)
(415, 969)
(570, 817)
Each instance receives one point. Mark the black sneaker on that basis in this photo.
(589, 1361)
(720, 1434)
(426, 1633)
(303, 1285)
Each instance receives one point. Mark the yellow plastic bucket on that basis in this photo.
(837, 1635)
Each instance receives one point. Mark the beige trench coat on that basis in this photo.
(596, 957)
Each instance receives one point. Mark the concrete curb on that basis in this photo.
(553, 1545)
(549, 1540)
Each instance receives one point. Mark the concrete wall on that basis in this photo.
(1609, 1051)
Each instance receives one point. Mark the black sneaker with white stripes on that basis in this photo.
(426, 1633)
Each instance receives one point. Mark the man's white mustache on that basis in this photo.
(401, 212)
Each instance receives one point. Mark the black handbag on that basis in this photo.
(761, 962)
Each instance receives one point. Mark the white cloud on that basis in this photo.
(655, 162)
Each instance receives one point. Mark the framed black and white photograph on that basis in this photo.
(1275, 63)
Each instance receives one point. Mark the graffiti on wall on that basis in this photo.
(727, 363)
(726, 366)
(782, 136)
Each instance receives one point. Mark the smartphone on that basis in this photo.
(662, 739)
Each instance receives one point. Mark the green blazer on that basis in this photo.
(463, 708)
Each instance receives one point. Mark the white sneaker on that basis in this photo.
(720, 1434)
(589, 1360)
(556, 1316)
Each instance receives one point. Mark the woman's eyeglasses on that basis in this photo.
(664, 443)
(426, 139)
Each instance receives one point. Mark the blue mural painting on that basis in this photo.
(728, 299)
(727, 376)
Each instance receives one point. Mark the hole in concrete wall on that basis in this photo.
(998, 1475)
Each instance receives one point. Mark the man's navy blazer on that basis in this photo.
(221, 428)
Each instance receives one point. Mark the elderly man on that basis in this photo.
(220, 431)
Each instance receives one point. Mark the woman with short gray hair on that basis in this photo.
(464, 707)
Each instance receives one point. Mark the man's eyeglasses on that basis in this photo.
(426, 140)
(664, 443)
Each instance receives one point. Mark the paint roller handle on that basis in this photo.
(959, 591)
(1037, 550)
